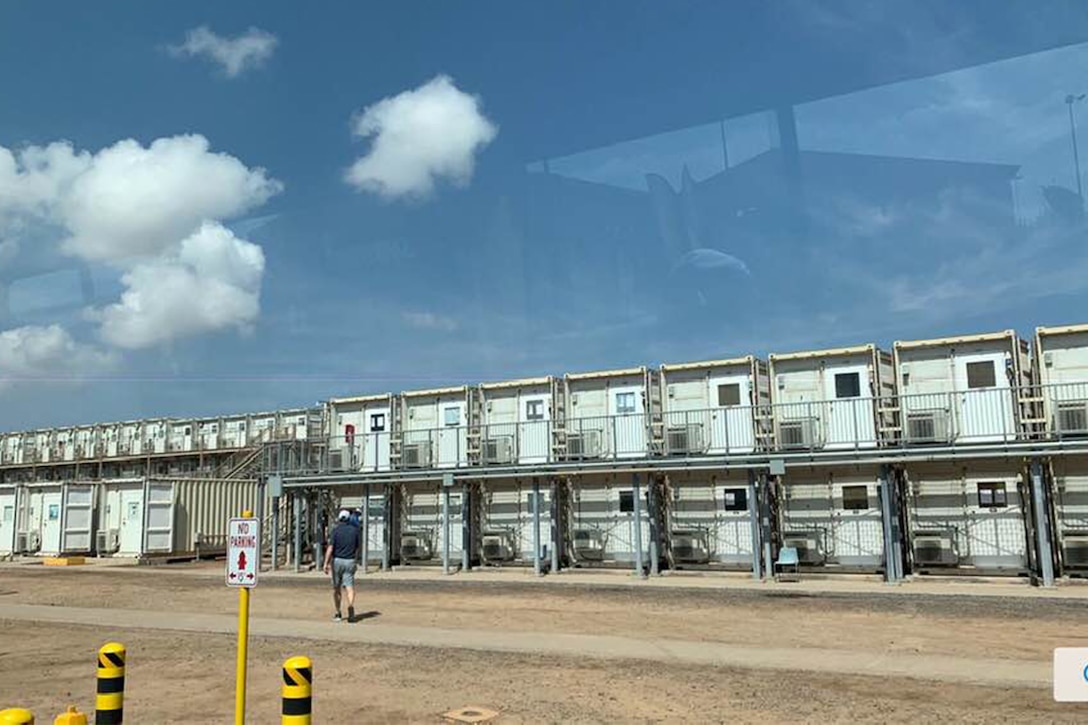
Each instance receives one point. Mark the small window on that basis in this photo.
(376, 508)
(627, 502)
(188, 431)
(625, 403)
(242, 426)
(452, 416)
(377, 422)
(981, 375)
(847, 385)
(992, 495)
(729, 394)
(736, 499)
(534, 410)
(855, 498)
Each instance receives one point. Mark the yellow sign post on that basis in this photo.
(243, 561)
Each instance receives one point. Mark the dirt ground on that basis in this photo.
(180, 677)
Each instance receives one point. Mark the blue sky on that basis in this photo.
(256, 206)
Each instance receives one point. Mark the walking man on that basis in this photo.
(340, 557)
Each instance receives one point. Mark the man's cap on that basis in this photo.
(344, 515)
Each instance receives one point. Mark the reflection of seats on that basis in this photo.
(788, 566)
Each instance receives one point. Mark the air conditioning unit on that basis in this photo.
(808, 546)
(1075, 550)
(417, 455)
(690, 547)
(799, 433)
(336, 460)
(107, 542)
(32, 543)
(20, 542)
(1072, 417)
(498, 547)
(684, 439)
(588, 545)
(415, 547)
(499, 450)
(584, 444)
(927, 426)
(935, 548)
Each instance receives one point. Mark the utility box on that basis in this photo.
(1061, 370)
(516, 420)
(966, 389)
(609, 414)
(433, 428)
(361, 429)
(831, 399)
(717, 407)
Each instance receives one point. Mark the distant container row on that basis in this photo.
(970, 389)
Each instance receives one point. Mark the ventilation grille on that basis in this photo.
(690, 547)
(927, 426)
(799, 433)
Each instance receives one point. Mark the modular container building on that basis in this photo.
(360, 432)
(609, 414)
(968, 515)
(508, 520)
(54, 519)
(833, 517)
(964, 389)
(9, 505)
(1070, 490)
(710, 519)
(299, 424)
(424, 526)
(831, 399)
(516, 421)
(168, 517)
(262, 428)
(154, 436)
(433, 428)
(719, 407)
(603, 523)
(1061, 370)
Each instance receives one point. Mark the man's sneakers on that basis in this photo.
(351, 614)
(337, 618)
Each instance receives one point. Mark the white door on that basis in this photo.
(732, 541)
(376, 444)
(857, 534)
(534, 431)
(985, 399)
(628, 423)
(452, 436)
(995, 526)
(7, 519)
(78, 515)
(131, 531)
(731, 425)
(51, 504)
(849, 417)
(375, 527)
(158, 533)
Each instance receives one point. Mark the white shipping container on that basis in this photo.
(423, 523)
(1061, 364)
(710, 516)
(9, 506)
(517, 421)
(603, 519)
(507, 520)
(361, 429)
(840, 512)
(57, 518)
(435, 428)
(712, 407)
(606, 413)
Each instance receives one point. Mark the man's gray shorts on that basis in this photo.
(343, 573)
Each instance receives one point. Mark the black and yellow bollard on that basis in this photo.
(18, 716)
(298, 680)
(110, 702)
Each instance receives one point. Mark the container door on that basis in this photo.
(78, 510)
(7, 519)
(858, 531)
(849, 408)
(159, 518)
(534, 434)
(995, 526)
(985, 399)
(525, 551)
(732, 541)
(628, 424)
(731, 428)
(452, 435)
(376, 445)
(51, 504)
(131, 529)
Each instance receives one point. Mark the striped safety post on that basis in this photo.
(16, 716)
(110, 702)
(298, 680)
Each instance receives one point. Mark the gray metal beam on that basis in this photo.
(556, 532)
(365, 522)
(655, 529)
(445, 529)
(466, 528)
(536, 526)
(638, 523)
(766, 523)
(296, 501)
(1040, 502)
(387, 530)
(753, 518)
(887, 511)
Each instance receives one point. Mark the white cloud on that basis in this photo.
(420, 136)
(430, 321)
(211, 283)
(49, 352)
(234, 55)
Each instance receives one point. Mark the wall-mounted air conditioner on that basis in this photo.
(588, 545)
(809, 548)
(1075, 549)
(498, 547)
(927, 426)
(107, 542)
(935, 548)
(584, 444)
(415, 546)
(417, 455)
(336, 460)
(1072, 417)
(684, 439)
(798, 433)
(690, 547)
(499, 449)
(32, 542)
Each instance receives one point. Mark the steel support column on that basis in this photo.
(753, 518)
(536, 526)
(637, 511)
(1044, 545)
(466, 527)
(556, 533)
(888, 510)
